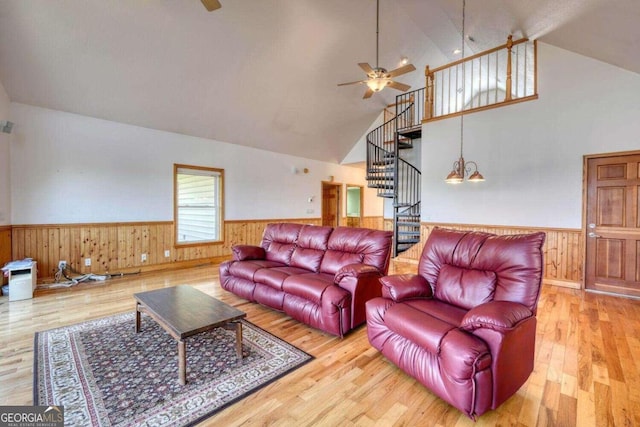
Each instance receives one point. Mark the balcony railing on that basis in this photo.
(503, 75)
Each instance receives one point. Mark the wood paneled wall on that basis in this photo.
(118, 247)
(563, 250)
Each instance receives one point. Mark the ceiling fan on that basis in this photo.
(211, 5)
(378, 78)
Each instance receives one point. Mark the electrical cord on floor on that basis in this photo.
(64, 269)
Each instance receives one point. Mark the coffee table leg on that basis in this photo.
(239, 339)
(182, 363)
(137, 317)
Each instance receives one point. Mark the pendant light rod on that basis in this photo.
(462, 168)
(377, 29)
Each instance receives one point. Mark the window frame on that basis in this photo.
(218, 171)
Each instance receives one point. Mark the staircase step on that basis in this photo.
(409, 233)
(383, 162)
(412, 132)
(408, 224)
(379, 177)
(408, 242)
(386, 195)
(386, 169)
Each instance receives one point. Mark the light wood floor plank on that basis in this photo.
(587, 370)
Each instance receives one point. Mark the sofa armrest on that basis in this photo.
(247, 252)
(356, 271)
(362, 282)
(501, 316)
(400, 287)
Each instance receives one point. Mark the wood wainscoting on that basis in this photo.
(563, 250)
(118, 247)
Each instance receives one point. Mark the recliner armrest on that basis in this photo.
(356, 271)
(501, 316)
(400, 287)
(247, 252)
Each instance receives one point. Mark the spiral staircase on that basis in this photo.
(392, 175)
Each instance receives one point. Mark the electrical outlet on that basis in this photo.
(87, 262)
(143, 258)
(167, 253)
(62, 265)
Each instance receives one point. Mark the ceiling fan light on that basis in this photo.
(377, 84)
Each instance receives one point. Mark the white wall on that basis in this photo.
(5, 185)
(532, 153)
(67, 168)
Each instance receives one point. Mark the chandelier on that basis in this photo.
(462, 168)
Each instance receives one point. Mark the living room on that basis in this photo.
(67, 169)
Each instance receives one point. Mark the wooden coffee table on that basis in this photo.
(183, 311)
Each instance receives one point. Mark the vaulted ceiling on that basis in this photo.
(264, 73)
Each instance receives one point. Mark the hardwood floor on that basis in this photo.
(587, 370)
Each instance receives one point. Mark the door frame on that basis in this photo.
(338, 186)
(584, 228)
(346, 201)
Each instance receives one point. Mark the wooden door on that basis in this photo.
(613, 224)
(331, 204)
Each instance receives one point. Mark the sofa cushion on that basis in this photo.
(310, 247)
(309, 286)
(350, 245)
(274, 277)
(464, 287)
(279, 241)
(247, 269)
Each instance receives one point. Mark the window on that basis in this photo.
(198, 204)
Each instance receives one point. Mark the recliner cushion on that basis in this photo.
(417, 326)
(279, 241)
(274, 277)
(247, 269)
(310, 247)
(465, 287)
(309, 286)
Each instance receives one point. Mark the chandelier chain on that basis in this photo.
(464, 3)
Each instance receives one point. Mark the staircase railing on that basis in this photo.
(410, 110)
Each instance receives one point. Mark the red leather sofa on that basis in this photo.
(320, 276)
(465, 325)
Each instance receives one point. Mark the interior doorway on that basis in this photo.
(612, 191)
(331, 197)
(354, 205)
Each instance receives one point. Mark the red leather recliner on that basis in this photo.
(465, 325)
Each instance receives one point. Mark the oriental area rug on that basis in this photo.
(104, 374)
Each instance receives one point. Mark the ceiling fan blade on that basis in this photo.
(352, 83)
(402, 70)
(366, 67)
(399, 86)
(368, 93)
(211, 5)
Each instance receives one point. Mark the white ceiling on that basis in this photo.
(263, 73)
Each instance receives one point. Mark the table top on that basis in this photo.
(186, 310)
